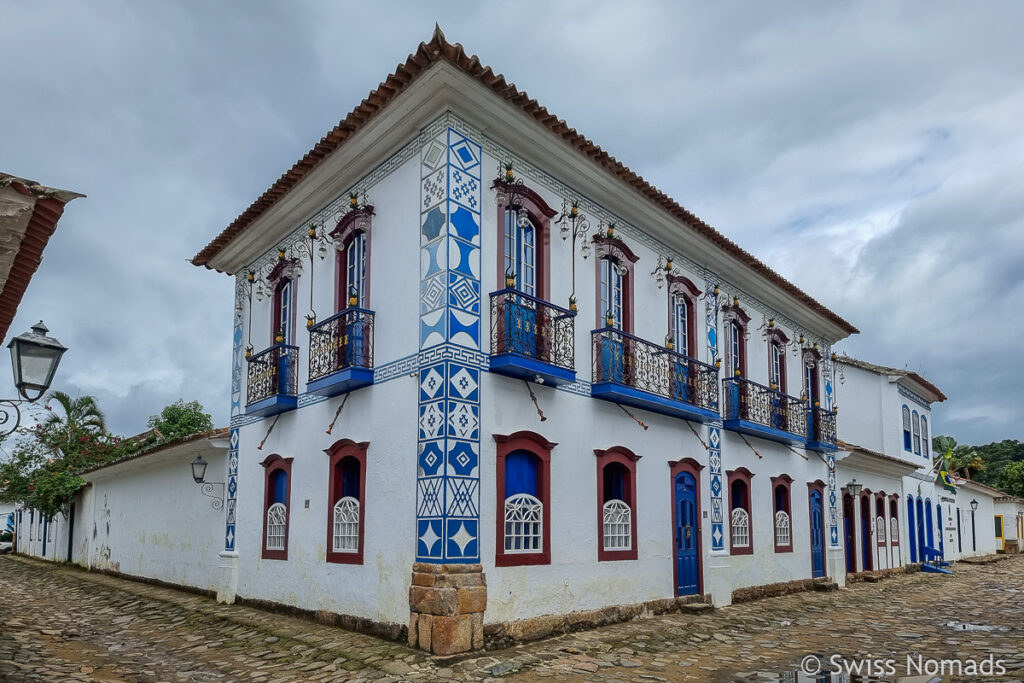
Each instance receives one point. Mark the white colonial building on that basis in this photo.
(483, 374)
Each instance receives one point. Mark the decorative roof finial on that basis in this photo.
(438, 36)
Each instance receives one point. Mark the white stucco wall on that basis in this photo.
(148, 518)
(379, 588)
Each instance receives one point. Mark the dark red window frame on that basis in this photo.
(733, 314)
(776, 338)
(785, 482)
(540, 447)
(894, 539)
(540, 215)
(338, 452)
(272, 463)
(682, 286)
(628, 459)
(348, 227)
(615, 249)
(741, 474)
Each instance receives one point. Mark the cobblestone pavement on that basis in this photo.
(63, 624)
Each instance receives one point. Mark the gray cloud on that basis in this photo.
(870, 152)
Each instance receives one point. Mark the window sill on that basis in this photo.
(521, 559)
(748, 550)
(616, 555)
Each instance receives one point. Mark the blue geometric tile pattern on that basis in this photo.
(448, 472)
(231, 490)
(715, 471)
(833, 513)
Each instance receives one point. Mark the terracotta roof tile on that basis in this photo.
(439, 49)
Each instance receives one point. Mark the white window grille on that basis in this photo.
(740, 528)
(277, 515)
(524, 516)
(618, 525)
(782, 531)
(346, 525)
(894, 530)
(879, 529)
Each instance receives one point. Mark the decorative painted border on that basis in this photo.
(907, 393)
(833, 511)
(450, 361)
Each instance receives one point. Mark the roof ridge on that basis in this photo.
(438, 48)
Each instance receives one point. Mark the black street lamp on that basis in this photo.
(207, 488)
(974, 529)
(34, 359)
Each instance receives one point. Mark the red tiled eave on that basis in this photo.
(439, 49)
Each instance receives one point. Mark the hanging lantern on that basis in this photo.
(659, 279)
(524, 219)
(585, 249)
(322, 251)
(259, 292)
(564, 230)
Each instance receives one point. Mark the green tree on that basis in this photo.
(959, 459)
(180, 420)
(1011, 479)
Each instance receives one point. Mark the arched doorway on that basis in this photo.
(849, 535)
(911, 527)
(866, 551)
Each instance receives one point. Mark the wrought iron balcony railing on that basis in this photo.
(822, 427)
(345, 340)
(528, 327)
(623, 359)
(764, 406)
(273, 372)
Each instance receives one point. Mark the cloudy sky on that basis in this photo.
(870, 152)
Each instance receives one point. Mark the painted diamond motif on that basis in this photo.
(463, 538)
(429, 538)
(462, 421)
(464, 383)
(462, 494)
(429, 494)
(714, 438)
(433, 154)
(717, 536)
(432, 383)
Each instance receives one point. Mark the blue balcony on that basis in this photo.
(531, 339)
(821, 428)
(757, 410)
(341, 353)
(637, 373)
(272, 381)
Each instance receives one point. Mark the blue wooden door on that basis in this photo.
(687, 534)
(942, 541)
(931, 525)
(910, 528)
(817, 535)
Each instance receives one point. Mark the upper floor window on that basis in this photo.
(926, 450)
(616, 497)
(682, 315)
(811, 359)
(523, 488)
(524, 243)
(284, 311)
(614, 283)
(347, 488)
(917, 433)
(735, 321)
(777, 365)
(741, 538)
(276, 499)
(906, 429)
(352, 240)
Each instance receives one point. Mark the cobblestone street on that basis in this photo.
(64, 624)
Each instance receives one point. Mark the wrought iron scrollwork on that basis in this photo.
(746, 400)
(345, 340)
(10, 416)
(823, 425)
(524, 325)
(208, 488)
(624, 359)
(273, 372)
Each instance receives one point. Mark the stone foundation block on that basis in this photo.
(451, 635)
(446, 605)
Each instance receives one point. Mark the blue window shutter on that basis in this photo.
(279, 486)
(521, 469)
(350, 478)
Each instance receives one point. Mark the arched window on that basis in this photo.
(614, 283)
(735, 322)
(616, 496)
(777, 365)
(741, 538)
(781, 505)
(346, 501)
(811, 360)
(523, 490)
(277, 492)
(926, 447)
(682, 315)
(880, 530)
(917, 433)
(906, 429)
(736, 349)
(523, 242)
(352, 240)
(284, 311)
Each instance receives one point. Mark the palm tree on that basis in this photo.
(959, 459)
(81, 417)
